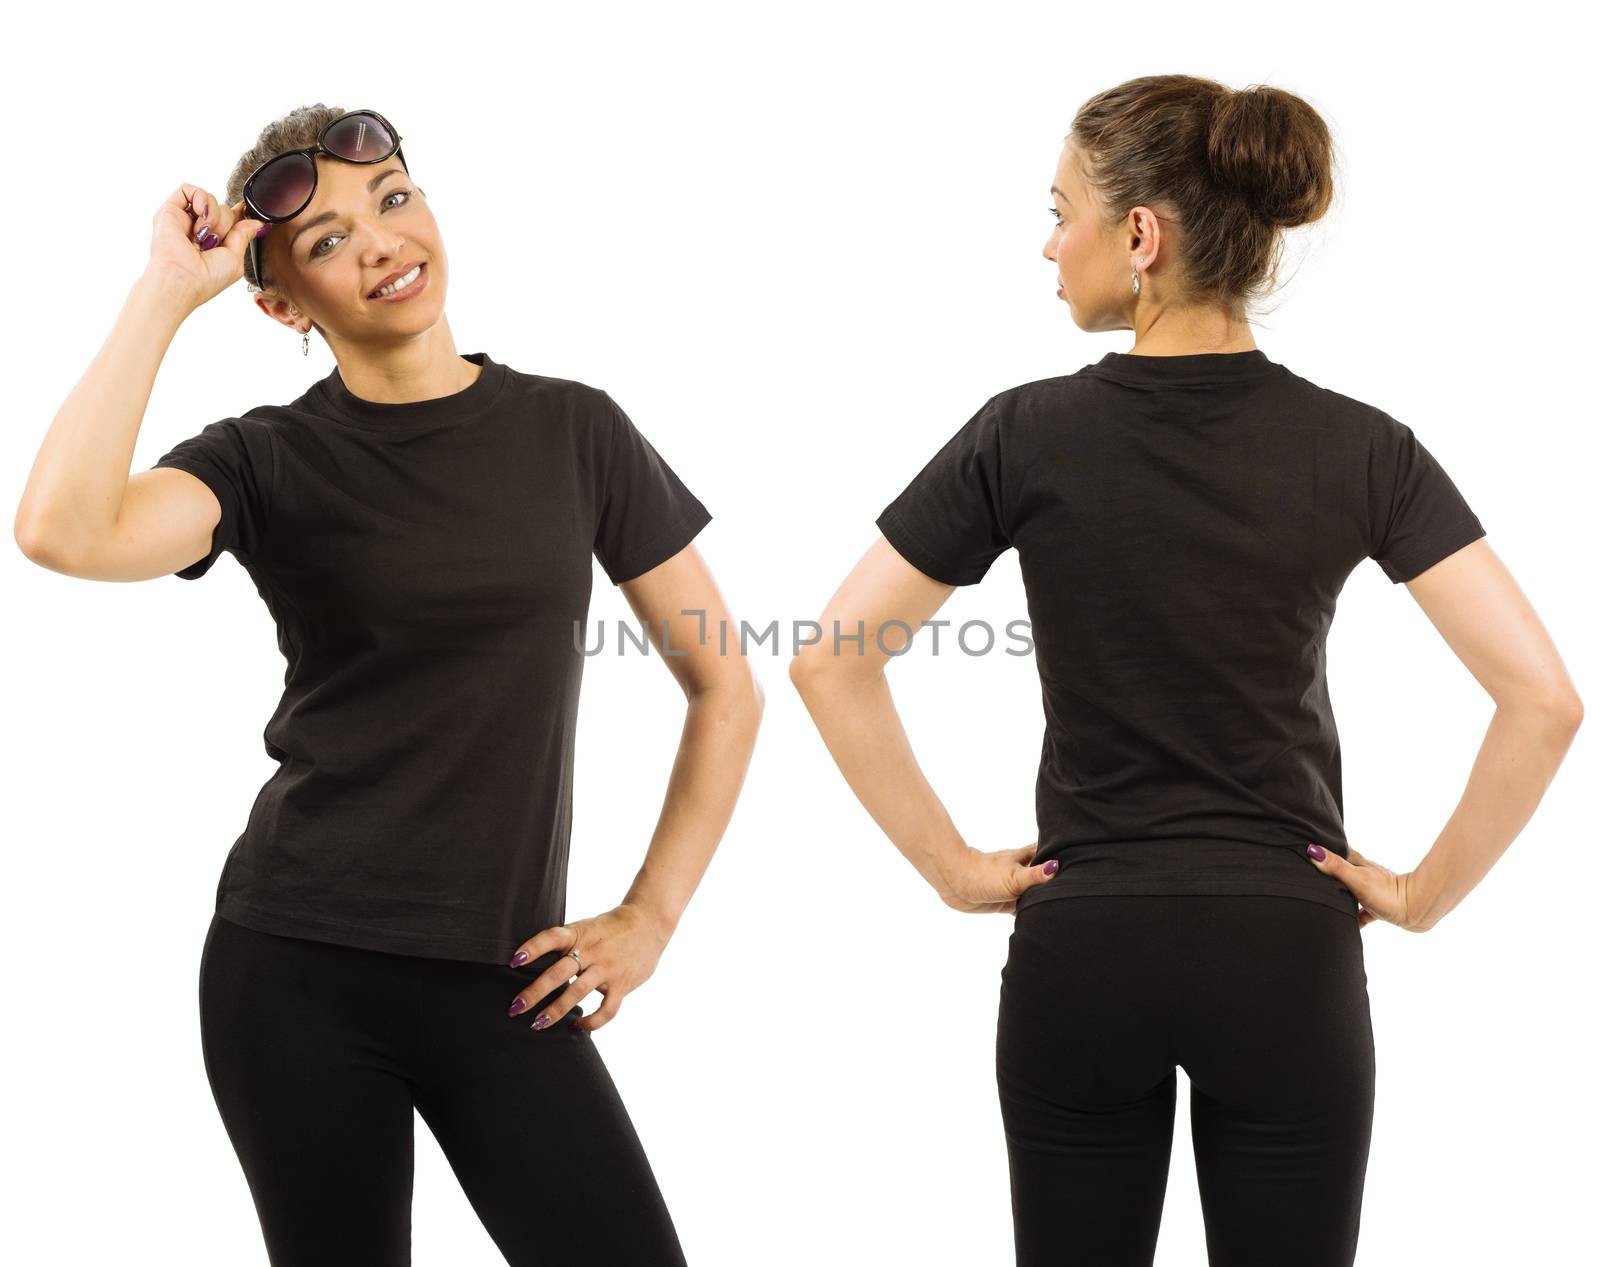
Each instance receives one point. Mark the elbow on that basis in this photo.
(1560, 702)
(36, 543)
(27, 541)
(27, 533)
(804, 670)
(815, 670)
(734, 694)
(1557, 707)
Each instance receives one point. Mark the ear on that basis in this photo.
(279, 309)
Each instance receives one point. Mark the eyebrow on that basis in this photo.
(334, 215)
(1061, 195)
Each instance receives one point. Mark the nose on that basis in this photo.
(384, 243)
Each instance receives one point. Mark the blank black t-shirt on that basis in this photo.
(1184, 525)
(426, 564)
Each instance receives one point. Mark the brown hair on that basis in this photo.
(293, 131)
(1237, 167)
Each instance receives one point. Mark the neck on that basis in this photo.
(1185, 332)
(421, 367)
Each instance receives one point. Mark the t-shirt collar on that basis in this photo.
(1198, 367)
(410, 417)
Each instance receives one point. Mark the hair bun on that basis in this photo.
(1273, 150)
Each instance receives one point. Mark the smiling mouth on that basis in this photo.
(399, 284)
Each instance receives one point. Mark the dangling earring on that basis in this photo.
(1136, 264)
(305, 342)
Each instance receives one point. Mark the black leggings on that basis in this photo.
(317, 1055)
(1262, 1000)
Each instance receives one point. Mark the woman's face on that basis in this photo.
(1094, 265)
(364, 223)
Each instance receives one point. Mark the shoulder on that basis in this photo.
(1029, 412)
(245, 439)
(1045, 394)
(263, 421)
(1335, 410)
(264, 426)
(585, 411)
(552, 389)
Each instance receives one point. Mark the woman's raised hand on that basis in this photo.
(990, 883)
(198, 243)
(617, 951)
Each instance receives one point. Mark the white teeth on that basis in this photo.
(399, 283)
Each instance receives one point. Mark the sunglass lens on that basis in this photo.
(360, 138)
(283, 186)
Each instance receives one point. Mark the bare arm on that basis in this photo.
(847, 695)
(1478, 608)
(719, 731)
(620, 948)
(1470, 598)
(80, 511)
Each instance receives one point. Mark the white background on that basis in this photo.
(800, 245)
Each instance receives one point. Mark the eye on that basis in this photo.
(317, 249)
(1056, 214)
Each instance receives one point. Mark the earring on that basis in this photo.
(305, 343)
(1136, 264)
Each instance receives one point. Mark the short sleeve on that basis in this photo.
(950, 522)
(235, 464)
(1417, 515)
(645, 514)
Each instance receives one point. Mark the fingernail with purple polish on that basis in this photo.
(1317, 852)
(1051, 867)
(208, 239)
(521, 1005)
(541, 1022)
(520, 957)
(262, 231)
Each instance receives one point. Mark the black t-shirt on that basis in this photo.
(1184, 525)
(426, 563)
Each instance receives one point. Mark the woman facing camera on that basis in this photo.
(1185, 514)
(390, 933)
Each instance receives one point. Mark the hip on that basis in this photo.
(1192, 979)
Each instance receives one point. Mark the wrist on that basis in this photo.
(164, 296)
(661, 918)
(943, 870)
(1424, 898)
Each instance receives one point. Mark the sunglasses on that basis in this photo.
(283, 186)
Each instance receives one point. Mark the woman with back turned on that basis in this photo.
(390, 934)
(1185, 514)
